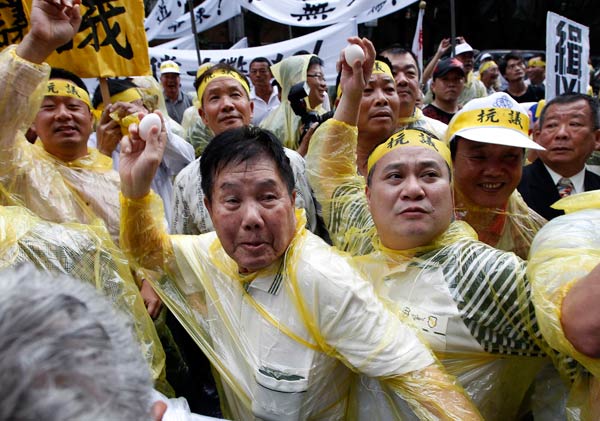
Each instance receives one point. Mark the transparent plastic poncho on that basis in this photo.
(85, 253)
(282, 121)
(565, 250)
(287, 339)
(508, 229)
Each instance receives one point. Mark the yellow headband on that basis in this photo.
(128, 95)
(409, 137)
(379, 67)
(536, 62)
(489, 117)
(221, 73)
(487, 65)
(62, 87)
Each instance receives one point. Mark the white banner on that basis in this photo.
(326, 43)
(320, 13)
(417, 45)
(168, 20)
(567, 53)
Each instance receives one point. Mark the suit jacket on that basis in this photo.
(539, 191)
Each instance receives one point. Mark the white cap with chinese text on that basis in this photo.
(169, 66)
(496, 119)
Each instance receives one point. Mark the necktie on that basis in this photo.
(565, 187)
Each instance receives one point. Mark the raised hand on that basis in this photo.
(52, 24)
(140, 159)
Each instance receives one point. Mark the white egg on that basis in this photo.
(146, 124)
(352, 53)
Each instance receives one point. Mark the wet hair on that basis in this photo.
(219, 66)
(58, 73)
(397, 49)
(513, 55)
(243, 144)
(66, 353)
(570, 98)
(115, 86)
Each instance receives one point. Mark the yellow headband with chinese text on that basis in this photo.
(221, 73)
(487, 65)
(62, 87)
(536, 62)
(379, 67)
(409, 137)
(489, 117)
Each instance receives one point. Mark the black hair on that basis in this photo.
(570, 98)
(315, 60)
(259, 60)
(220, 66)
(397, 49)
(115, 86)
(243, 144)
(513, 55)
(58, 73)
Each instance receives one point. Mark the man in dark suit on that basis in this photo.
(570, 131)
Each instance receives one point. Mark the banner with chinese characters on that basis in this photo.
(320, 13)
(567, 53)
(168, 20)
(326, 43)
(111, 40)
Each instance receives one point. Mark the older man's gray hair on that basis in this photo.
(65, 353)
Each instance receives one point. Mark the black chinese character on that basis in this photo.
(313, 11)
(489, 115)
(71, 90)
(200, 15)
(514, 117)
(398, 139)
(163, 12)
(427, 140)
(51, 88)
(98, 13)
(13, 22)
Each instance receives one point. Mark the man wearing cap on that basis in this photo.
(488, 138)
(58, 178)
(464, 53)
(471, 301)
(536, 70)
(407, 74)
(447, 85)
(175, 99)
(224, 96)
(512, 69)
(569, 129)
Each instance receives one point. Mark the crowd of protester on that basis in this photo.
(398, 250)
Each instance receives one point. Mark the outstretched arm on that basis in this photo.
(52, 24)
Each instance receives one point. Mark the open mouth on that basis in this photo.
(491, 187)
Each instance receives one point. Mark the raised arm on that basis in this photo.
(143, 233)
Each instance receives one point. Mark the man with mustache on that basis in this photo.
(569, 130)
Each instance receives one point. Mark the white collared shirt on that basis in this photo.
(577, 179)
(262, 108)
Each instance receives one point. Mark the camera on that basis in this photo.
(297, 96)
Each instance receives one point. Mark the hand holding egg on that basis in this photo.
(352, 53)
(147, 123)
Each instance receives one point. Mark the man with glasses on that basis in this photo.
(512, 69)
(263, 94)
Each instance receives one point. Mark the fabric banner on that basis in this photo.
(110, 41)
(567, 53)
(320, 13)
(417, 44)
(326, 43)
(168, 20)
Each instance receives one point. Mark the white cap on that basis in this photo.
(485, 56)
(169, 66)
(497, 119)
(462, 48)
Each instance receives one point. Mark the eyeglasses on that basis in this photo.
(318, 76)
